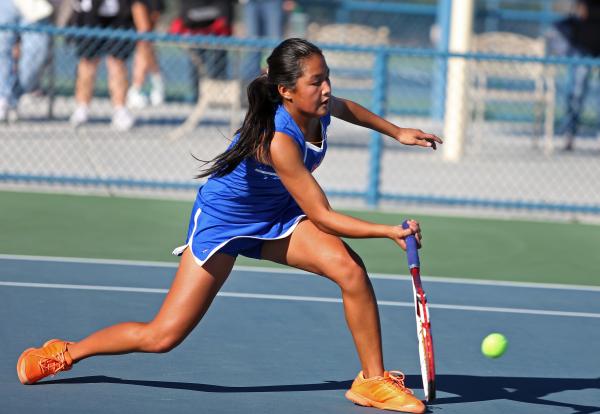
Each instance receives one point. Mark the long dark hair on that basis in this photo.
(284, 68)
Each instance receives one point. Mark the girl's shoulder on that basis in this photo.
(283, 118)
(286, 124)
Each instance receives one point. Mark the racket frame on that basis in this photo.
(425, 339)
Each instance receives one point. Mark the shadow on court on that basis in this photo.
(101, 379)
(466, 388)
(471, 388)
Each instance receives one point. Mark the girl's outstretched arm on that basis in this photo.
(286, 159)
(357, 114)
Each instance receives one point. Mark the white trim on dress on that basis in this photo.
(179, 250)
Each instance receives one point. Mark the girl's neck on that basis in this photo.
(304, 122)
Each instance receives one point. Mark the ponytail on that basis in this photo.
(256, 133)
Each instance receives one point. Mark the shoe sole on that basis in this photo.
(21, 367)
(365, 402)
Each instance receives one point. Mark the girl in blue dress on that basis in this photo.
(261, 201)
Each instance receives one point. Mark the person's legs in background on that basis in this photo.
(251, 61)
(90, 50)
(145, 61)
(157, 86)
(122, 120)
(206, 63)
(35, 48)
(596, 70)
(215, 63)
(141, 19)
(261, 18)
(8, 77)
(195, 62)
(119, 51)
(272, 18)
(575, 100)
(84, 89)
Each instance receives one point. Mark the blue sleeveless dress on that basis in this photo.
(236, 213)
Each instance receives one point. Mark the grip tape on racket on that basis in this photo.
(412, 252)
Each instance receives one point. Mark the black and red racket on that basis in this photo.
(422, 314)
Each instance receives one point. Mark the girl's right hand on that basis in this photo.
(399, 234)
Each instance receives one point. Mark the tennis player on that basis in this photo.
(262, 201)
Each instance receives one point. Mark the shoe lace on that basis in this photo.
(53, 364)
(396, 379)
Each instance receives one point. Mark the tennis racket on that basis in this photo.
(422, 314)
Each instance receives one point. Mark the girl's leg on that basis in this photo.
(189, 297)
(311, 249)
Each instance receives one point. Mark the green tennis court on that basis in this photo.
(43, 224)
(92, 261)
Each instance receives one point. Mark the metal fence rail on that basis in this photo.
(503, 163)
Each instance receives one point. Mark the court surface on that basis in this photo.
(277, 341)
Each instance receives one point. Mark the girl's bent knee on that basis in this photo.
(158, 342)
(164, 346)
(352, 276)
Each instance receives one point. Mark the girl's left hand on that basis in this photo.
(399, 234)
(410, 136)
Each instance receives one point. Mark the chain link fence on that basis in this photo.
(510, 157)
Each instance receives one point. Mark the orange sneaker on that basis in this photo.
(387, 393)
(37, 363)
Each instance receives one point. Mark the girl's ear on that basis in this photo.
(284, 92)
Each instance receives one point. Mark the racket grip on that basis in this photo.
(412, 250)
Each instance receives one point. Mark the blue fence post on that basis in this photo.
(438, 92)
(378, 107)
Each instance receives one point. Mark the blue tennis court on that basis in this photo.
(276, 341)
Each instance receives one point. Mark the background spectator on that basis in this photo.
(114, 14)
(145, 17)
(21, 67)
(580, 35)
(205, 17)
(262, 18)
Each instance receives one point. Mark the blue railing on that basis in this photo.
(372, 194)
(245, 43)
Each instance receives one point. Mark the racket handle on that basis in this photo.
(412, 251)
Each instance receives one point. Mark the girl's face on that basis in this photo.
(312, 93)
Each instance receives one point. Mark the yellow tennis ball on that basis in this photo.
(494, 345)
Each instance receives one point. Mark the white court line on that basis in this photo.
(304, 299)
(289, 271)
